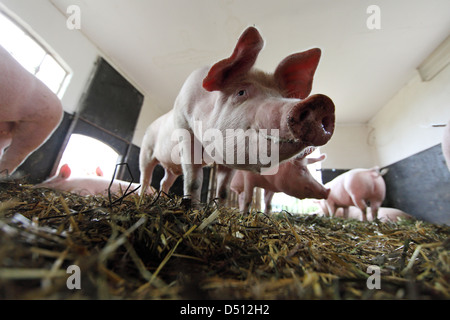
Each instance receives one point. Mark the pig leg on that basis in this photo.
(193, 178)
(374, 207)
(361, 204)
(246, 198)
(331, 208)
(27, 136)
(167, 181)
(192, 171)
(146, 173)
(241, 202)
(345, 212)
(224, 177)
(268, 195)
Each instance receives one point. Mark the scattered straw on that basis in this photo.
(149, 247)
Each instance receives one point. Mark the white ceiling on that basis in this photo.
(157, 43)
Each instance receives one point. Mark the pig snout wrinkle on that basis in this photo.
(312, 120)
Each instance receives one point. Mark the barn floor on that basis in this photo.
(127, 248)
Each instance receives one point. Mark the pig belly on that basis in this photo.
(341, 198)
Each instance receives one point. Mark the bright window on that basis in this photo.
(84, 155)
(32, 56)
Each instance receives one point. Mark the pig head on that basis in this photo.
(233, 95)
(29, 113)
(292, 178)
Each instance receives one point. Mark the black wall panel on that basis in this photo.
(420, 185)
(111, 102)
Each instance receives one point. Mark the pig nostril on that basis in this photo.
(328, 123)
(304, 115)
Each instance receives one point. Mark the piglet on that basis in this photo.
(29, 113)
(89, 185)
(292, 178)
(355, 188)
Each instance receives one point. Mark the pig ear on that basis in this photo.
(99, 172)
(314, 160)
(241, 61)
(65, 171)
(294, 75)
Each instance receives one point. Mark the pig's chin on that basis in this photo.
(280, 140)
(287, 146)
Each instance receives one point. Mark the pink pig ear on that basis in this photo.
(241, 61)
(99, 172)
(65, 172)
(294, 75)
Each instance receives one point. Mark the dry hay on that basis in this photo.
(151, 248)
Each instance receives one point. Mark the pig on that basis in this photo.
(29, 113)
(355, 188)
(384, 214)
(232, 94)
(292, 178)
(446, 144)
(84, 186)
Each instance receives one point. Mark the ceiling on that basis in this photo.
(157, 43)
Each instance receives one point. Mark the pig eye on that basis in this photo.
(241, 93)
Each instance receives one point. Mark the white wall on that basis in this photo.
(403, 126)
(399, 130)
(348, 148)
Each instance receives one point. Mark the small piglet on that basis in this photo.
(232, 95)
(355, 188)
(29, 113)
(292, 178)
(84, 186)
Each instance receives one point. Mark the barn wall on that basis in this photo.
(420, 185)
(349, 148)
(402, 127)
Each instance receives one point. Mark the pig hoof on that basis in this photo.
(186, 203)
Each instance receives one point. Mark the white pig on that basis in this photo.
(29, 113)
(89, 185)
(232, 94)
(355, 188)
(292, 178)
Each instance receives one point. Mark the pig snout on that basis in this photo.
(321, 193)
(312, 120)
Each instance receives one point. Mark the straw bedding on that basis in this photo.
(152, 248)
